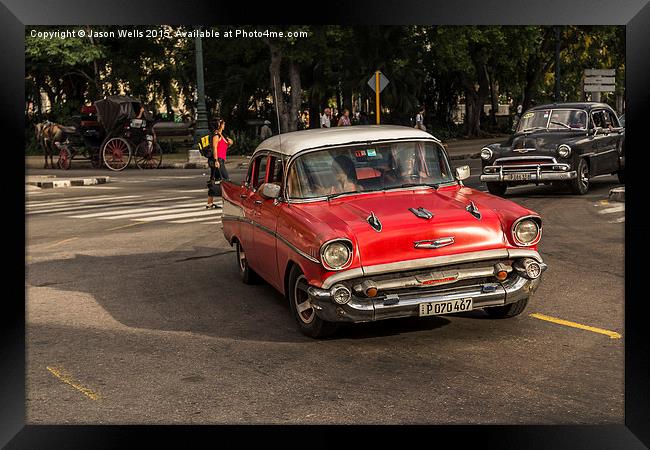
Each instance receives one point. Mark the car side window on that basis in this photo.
(276, 174)
(259, 171)
(597, 118)
(613, 119)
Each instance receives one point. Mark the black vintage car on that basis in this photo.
(561, 143)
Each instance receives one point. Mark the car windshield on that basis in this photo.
(367, 168)
(553, 119)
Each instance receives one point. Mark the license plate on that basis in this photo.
(517, 177)
(448, 307)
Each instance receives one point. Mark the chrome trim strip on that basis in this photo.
(520, 158)
(420, 263)
(524, 253)
(340, 276)
(272, 233)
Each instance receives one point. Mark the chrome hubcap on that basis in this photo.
(584, 175)
(301, 300)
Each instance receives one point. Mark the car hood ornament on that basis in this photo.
(434, 243)
(422, 213)
(473, 210)
(374, 222)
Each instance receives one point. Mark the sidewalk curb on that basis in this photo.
(617, 194)
(68, 182)
(465, 156)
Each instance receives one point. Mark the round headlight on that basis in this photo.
(526, 232)
(486, 153)
(564, 151)
(336, 255)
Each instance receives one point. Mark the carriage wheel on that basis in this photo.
(148, 155)
(65, 159)
(116, 153)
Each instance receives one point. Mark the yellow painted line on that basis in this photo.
(69, 381)
(604, 202)
(611, 334)
(126, 226)
(61, 242)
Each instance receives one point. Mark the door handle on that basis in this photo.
(258, 202)
(243, 195)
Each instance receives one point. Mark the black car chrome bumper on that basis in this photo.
(529, 173)
(406, 304)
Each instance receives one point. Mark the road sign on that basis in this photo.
(599, 80)
(383, 81)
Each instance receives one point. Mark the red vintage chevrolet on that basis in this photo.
(364, 223)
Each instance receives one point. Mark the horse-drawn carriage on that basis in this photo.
(110, 132)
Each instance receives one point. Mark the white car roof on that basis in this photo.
(297, 141)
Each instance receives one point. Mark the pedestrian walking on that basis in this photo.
(265, 131)
(325, 118)
(344, 121)
(419, 120)
(217, 162)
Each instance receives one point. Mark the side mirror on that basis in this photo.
(270, 191)
(462, 173)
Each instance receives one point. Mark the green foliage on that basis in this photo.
(434, 66)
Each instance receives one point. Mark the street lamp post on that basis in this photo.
(201, 112)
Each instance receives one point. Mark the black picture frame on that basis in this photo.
(634, 14)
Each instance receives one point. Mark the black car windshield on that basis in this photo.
(553, 119)
(367, 168)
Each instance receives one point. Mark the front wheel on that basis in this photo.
(580, 185)
(304, 314)
(621, 176)
(497, 188)
(148, 155)
(507, 311)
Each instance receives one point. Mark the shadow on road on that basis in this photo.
(196, 291)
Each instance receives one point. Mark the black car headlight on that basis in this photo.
(564, 151)
(336, 255)
(526, 231)
(486, 153)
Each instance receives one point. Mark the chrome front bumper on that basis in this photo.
(362, 309)
(535, 173)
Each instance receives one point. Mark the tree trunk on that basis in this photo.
(276, 85)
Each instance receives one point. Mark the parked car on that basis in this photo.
(562, 143)
(364, 223)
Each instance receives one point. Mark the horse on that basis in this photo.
(47, 133)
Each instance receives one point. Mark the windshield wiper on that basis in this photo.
(340, 193)
(560, 123)
(525, 130)
(433, 185)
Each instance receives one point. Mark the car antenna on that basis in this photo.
(277, 112)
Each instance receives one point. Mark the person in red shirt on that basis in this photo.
(217, 162)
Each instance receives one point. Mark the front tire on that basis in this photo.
(621, 176)
(497, 188)
(507, 311)
(305, 316)
(580, 185)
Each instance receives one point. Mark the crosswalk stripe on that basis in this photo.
(178, 216)
(130, 211)
(77, 200)
(105, 205)
(613, 209)
(191, 220)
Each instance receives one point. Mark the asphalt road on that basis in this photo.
(133, 317)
